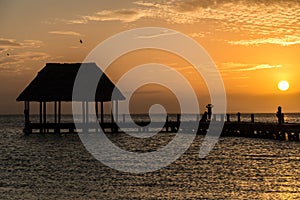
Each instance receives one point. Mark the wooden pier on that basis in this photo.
(288, 132)
(54, 84)
(251, 129)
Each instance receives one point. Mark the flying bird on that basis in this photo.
(80, 41)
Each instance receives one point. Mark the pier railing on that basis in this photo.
(233, 126)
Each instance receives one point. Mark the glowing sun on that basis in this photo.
(283, 85)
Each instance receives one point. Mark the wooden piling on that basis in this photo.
(102, 112)
(44, 112)
(167, 124)
(252, 118)
(178, 118)
(117, 111)
(83, 112)
(59, 115)
(55, 112)
(96, 109)
(41, 118)
(228, 117)
(87, 111)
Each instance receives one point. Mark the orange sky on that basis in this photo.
(254, 44)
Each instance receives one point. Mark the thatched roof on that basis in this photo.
(55, 83)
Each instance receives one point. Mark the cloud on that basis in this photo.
(70, 33)
(155, 35)
(286, 41)
(197, 35)
(14, 62)
(244, 67)
(31, 44)
(14, 44)
(262, 66)
(123, 15)
(20, 57)
(8, 43)
(265, 18)
(244, 14)
(8, 60)
(29, 55)
(15, 53)
(18, 52)
(254, 17)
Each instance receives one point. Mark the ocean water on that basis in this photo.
(59, 167)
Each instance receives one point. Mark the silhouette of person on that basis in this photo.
(209, 110)
(280, 115)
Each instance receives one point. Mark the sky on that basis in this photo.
(254, 44)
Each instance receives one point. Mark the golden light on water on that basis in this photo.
(283, 85)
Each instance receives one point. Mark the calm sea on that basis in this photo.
(59, 167)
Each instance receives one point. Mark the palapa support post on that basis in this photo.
(27, 128)
(167, 123)
(97, 115)
(41, 118)
(83, 112)
(87, 116)
(84, 117)
(97, 111)
(55, 112)
(55, 117)
(177, 125)
(26, 112)
(87, 111)
(102, 113)
(59, 115)
(112, 116)
(46, 128)
(44, 113)
(117, 111)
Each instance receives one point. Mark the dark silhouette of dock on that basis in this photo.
(54, 84)
(251, 129)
